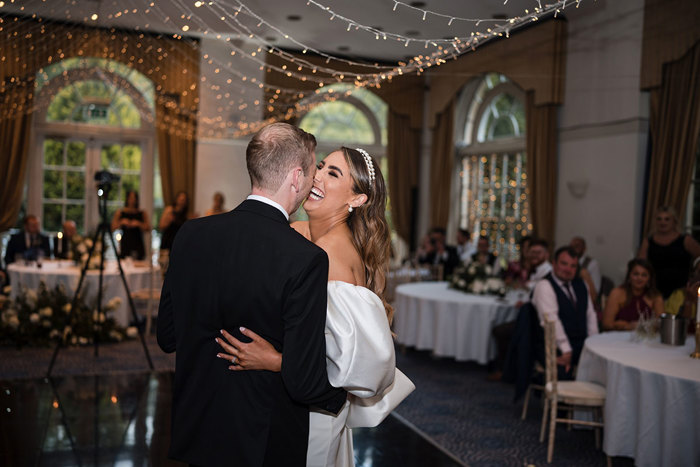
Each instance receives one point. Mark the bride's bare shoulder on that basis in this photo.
(302, 227)
(343, 259)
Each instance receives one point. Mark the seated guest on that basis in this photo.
(518, 272)
(670, 252)
(218, 206)
(684, 301)
(29, 244)
(538, 256)
(63, 244)
(563, 299)
(484, 255)
(465, 248)
(435, 251)
(636, 297)
(586, 262)
(133, 222)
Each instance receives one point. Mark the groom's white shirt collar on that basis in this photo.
(274, 204)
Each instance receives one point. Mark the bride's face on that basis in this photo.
(332, 189)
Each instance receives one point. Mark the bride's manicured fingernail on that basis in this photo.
(219, 355)
(242, 328)
(221, 331)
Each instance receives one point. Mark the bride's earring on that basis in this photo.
(349, 208)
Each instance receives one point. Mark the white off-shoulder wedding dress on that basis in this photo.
(360, 358)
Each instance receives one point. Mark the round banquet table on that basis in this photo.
(66, 273)
(652, 406)
(430, 316)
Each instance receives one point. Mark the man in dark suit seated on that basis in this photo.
(436, 251)
(249, 268)
(563, 298)
(29, 244)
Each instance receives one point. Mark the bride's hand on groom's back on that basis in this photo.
(258, 354)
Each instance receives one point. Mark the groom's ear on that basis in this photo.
(297, 174)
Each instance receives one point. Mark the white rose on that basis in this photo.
(7, 289)
(67, 330)
(67, 307)
(488, 269)
(114, 303)
(46, 312)
(13, 321)
(477, 287)
(462, 283)
(54, 333)
(132, 332)
(73, 340)
(31, 298)
(82, 340)
(34, 318)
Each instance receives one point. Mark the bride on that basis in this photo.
(346, 218)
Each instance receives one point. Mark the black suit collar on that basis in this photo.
(258, 207)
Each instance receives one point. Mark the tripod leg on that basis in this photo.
(74, 302)
(132, 307)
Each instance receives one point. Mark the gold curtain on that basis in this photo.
(674, 124)
(403, 153)
(29, 46)
(441, 164)
(176, 150)
(14, 145)
(541, 150)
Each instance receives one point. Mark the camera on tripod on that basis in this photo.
(105, 179)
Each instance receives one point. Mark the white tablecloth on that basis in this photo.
(652, 407)
(53, 273)
(430, 316)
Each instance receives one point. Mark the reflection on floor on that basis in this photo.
(124, 419)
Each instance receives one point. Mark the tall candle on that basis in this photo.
(59, 245)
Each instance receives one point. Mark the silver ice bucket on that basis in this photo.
(673, 329)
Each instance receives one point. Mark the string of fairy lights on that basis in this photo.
(237, 79)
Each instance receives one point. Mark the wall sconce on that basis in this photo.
(577, 188)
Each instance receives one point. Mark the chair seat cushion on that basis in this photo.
(579, 393)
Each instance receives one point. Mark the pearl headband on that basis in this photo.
(370, 165)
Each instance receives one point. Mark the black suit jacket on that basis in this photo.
(245, 268)
(17, 244)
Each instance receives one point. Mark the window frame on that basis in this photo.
(94, 136)
(468, 118)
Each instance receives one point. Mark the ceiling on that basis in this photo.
(305, 23)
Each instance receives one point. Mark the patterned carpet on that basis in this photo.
(453, 404)
(478, 422)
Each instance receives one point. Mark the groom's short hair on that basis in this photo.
(274, 151)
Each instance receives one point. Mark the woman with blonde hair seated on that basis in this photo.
(635, 298)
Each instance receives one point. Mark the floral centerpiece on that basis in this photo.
(45, 316)
(477, 279)
(81, 253)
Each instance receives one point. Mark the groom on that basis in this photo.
(249, 268)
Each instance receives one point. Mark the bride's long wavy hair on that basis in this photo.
(370, 230)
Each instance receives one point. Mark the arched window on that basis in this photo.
(493, 198)
(92, 114)
(342, 115)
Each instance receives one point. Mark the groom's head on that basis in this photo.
(281, 154)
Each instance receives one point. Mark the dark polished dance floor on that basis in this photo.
(124, 419)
